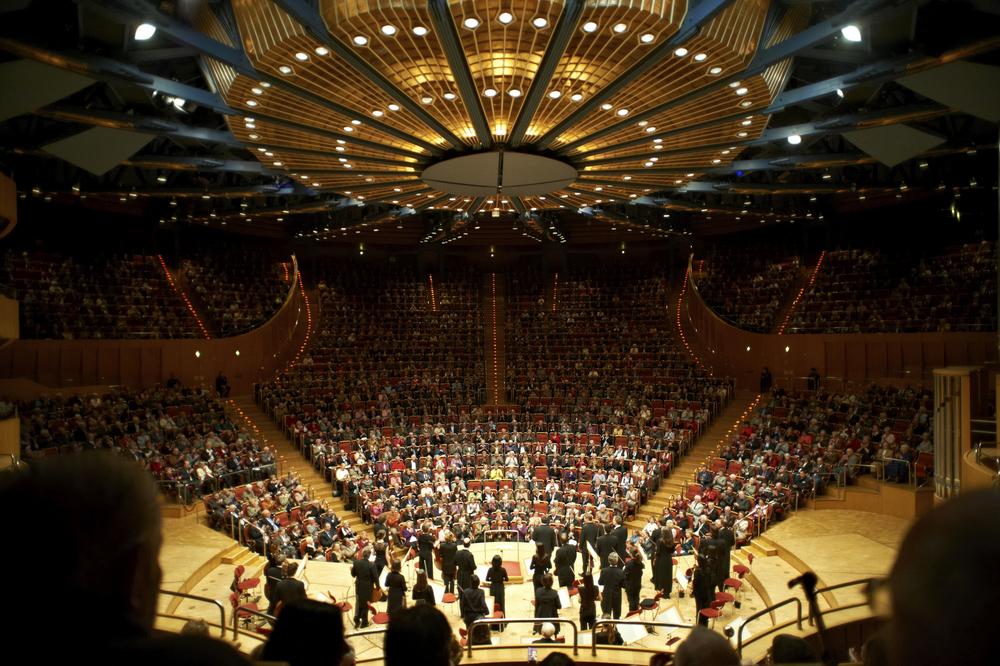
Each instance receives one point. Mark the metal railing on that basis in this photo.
(980, 456)
(593, 631)
(222, 609)
(524, 620)
(775, 627)
(516, 540)
(863, 581)
(250, 611)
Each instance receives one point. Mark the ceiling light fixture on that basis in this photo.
(302, 56)
(681, 52)
(285, 69)
(322, 50)
(144, 31)
(715, 70)
(389, 30)
(589, 26)
(701, 57)
(540, 22)
(471, 23)
(419, 30)
(514, 92)
(794, 139)
(647, 38)
(576, 97)
(851, 33)
(490, 92)
(619, 28)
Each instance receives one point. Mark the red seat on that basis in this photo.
(378, 617)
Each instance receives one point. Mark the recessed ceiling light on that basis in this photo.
(277, 164)
(540, 22)
(394, 107)
(427, 100)
(268, 153)
(715, 70)
(647, 38)
(576, 97)
(642, 123)
(257, 91)
(648, 164)
(622, 112)
(254, 136)
(746, 103)
(699, 57)
(261, 150)
(419, 30)
(690, 175)
(251, 126)
(555, 94)
(347, 166)
(746, 122)
(741, 134)
(650, 129)
(388, 29)
(681, 52)
(589, 26)
(377, 113)
(251, 102)
(449, 95)
(657, 147)
(348, 129)
(340, 148)
(505, 17)
(285, 69)
(342, 159)
(314, 185)
(360, 40)
(794, 139)
(678, 182)
(471, 23)
(606, 107)
(657, 140)
(620, 28)
(490, 92)
(144, 32)
(322, 50)
(514, 92)
(851, 33)
(598, 189)
(742, 91)
(302, 56)
(725, 152)
(716, 161)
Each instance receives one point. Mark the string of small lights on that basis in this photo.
(181, 293)
(309, 319)
(555, 291)
(433, 300)
(680, 330)
(496, 386)
(801, 292)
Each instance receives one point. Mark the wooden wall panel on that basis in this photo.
(108, 363)
(130, 369)
(88, 366)
(69, 365)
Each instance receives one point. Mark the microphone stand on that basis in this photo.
(808, 582)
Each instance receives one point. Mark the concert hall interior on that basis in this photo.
(697, 297)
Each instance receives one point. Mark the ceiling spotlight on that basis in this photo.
(449, 95)
(647, 38)
(427, 100)
(650, 129)
(254, 136)
(251, 102)
(681, 52)
(394, 107)
(419, 31)
(700, 57)
(302, 56)
(490, 92)
(746, 122)
(285, 69)
(794, 139)
(576, 97)
(620, 28)
(162, 179)
(647, 164)
(540, 23)
(377, 113)
(144, 32)
(360, 40)
(622, 112)
(388, 30)
(322, 50)
(471, 23)
(505, 17)
(514, 92)
(746, 103)
(742, 91)
(348, 128)
(606, 107)
(851, 33)
(589, 26)
(251, 126)
(715, 70)
(257, 91)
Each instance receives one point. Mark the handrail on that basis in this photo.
(979, 452)
(852, 583)
(769, 609)
(222, 609)
(593, 631)
(251, 611)
(516, 540)
(524, 620)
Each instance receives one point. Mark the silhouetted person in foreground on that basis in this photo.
(108, 569)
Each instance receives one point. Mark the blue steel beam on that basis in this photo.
(133, 11)
(440, 13)
(694, 19)
(861, 11)
(565, 26)
(312, 22)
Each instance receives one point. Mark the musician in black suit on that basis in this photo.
(612, 581)
(465, 562)
(365, 579)
(425, 548)
(288, 590)
(588, 535)
(256, 535)
(620, 533)
(449, 550)
(545, 535)
(564, 560)
(606, 545)
(473, 604)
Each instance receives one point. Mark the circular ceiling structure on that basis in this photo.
(505, 173)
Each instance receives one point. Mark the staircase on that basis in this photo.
(794, 293)
(288, 457)
(494, 305)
